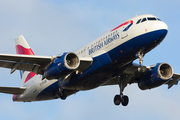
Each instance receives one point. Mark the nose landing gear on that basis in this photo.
(139, 55)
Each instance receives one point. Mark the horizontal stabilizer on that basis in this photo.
(12, 90)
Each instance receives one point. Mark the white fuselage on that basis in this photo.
(103, 44)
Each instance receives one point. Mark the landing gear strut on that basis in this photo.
(118, 99)
(62, 92)
(139, 55)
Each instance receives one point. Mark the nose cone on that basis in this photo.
(160, 26)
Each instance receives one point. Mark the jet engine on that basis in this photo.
(156, 76)
(62, 65)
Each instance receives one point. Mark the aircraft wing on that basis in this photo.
(132, 76)
(12, 90)
(35, 63)
(25, 62)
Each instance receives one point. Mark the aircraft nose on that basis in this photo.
(160, 26)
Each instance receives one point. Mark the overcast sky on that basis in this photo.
(52, 27)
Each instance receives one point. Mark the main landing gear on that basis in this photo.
(118, 99)
(62, 92)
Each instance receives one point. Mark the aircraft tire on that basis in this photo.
(64, 96)
(125, 100)
(117, 100)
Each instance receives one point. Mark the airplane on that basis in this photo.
(107, 60)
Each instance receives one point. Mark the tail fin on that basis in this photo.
(22, 47)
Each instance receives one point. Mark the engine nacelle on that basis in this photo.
(62, 65)
(156, 76)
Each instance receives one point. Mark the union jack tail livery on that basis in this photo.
(22, 47)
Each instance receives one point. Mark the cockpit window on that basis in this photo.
(158, 19)
(144, 19)
(138, 21)
(151, 18)
(147, 19)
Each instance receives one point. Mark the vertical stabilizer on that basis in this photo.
(22, 47)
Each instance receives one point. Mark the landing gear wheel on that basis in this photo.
(120, 98)
(117, 100)
(142, 69)
(125, 100)
(63, 96)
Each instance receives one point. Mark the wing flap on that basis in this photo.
(23, 66)
(174, 80)
(12, 90)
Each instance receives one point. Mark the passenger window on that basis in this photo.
(138, 21)
(151, 18)
(144, 19)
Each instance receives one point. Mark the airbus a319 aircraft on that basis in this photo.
(108, 60)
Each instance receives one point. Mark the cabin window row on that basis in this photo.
(100, 41)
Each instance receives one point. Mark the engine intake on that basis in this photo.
(71, 61)
(156, 76)
(165, 71)
(62, 66)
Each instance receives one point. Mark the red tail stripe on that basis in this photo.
(29, 76)
(21, 50)
(25, 51)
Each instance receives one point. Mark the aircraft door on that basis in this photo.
(124, 32)
(125, 28)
